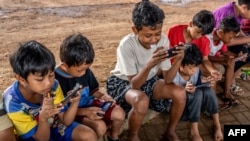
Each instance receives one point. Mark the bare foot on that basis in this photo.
(218, 136)
(195, 137)
(133, 138)
(173, 137)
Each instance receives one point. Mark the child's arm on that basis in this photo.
(170, 74)
(48, 110)
(90, 112)
(208, 65)
(239, 40)
(102, 96)
(68, 116)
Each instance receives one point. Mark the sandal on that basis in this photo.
(236, 90)
(229, 104)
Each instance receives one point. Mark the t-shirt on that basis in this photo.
(215, 49)
(175, 34)
(224, 11)
(195, 79)
(132, 56)
(25, 115)
(88, 81)
(245, 26)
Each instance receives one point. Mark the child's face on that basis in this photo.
(78, 71)
(244, 12)
(39, 84)
(149, 35)
(226, 37)
(188, 70)
(195, 32)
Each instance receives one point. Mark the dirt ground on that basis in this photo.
(104, 22)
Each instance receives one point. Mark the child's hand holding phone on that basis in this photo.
(73, 95)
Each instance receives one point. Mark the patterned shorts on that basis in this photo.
(117, 88)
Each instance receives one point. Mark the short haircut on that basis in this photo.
(204, 20)
(76, 50)
(192, 55)
(32, 57)
(146, 13)
(228, 24)
(246, 2)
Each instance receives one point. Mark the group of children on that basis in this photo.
(145, 76)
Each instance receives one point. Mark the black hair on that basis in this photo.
(246, 2)
(32, 57)
(228, 24)
(76, 49)
(192, 55)
(145, 13)
(204, 20)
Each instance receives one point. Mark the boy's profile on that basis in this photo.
(189, 76)
(33, 101)
(77, 55)
(134, 83)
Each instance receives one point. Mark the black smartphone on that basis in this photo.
(73, 93)
(105, 106)
(206, 84)
(170, 51)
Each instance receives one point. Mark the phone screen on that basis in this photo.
(71, 94)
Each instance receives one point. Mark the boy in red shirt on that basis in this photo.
(201, 24)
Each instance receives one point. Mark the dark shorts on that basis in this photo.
(117, 88)
(236, 49)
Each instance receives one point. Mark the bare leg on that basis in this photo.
(139, 102)
(178, 96)
(83, 133)
(194, 132)
(218, 136)
(117, 118)
(8, 135)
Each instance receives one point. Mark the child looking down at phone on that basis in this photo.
(33, 101)
(189, 76)
(137, 67)
(77, 55)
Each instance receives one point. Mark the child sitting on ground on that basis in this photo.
(219, 55)
(77, 55)
(33, 101)
(189, 76)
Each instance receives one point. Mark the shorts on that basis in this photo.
(106, 116)
(117, 88)
(236, 49)
(5, 122)
(56, 136)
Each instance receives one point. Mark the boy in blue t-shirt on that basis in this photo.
(33, 101)
(189, 76)
(77, 55)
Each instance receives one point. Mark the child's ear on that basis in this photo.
(134, 30)
(64, 66)
(190, 24)
(20, 79)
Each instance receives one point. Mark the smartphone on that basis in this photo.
(105, 106)
(73, 93)
(206, 84)
(170, 51)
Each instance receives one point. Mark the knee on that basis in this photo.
(140, 102)
(118, 114)
(179, 94)
(87, 135)
(100, 128)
